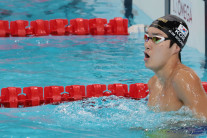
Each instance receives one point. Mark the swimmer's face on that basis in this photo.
(156, 54)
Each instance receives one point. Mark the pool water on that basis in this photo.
(83, 60)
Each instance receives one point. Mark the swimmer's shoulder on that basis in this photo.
(189, 90)
(185, 73)
(185, 81)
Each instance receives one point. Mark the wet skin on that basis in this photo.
(174, 85)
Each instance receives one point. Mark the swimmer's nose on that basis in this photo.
(147, 45)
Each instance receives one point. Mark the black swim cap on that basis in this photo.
(174, 27)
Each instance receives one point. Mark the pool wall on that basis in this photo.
(193, 12)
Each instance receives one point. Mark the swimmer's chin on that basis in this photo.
(147, 66)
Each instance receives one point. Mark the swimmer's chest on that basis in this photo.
(165, 98)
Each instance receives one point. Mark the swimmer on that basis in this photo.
(174, 85)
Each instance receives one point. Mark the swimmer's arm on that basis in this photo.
(189, 90)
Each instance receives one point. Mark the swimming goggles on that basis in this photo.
(155, 39)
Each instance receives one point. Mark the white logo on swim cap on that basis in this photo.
(183, 30)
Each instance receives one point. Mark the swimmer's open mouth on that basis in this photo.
(146, 55)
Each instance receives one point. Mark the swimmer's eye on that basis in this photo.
(155, 39)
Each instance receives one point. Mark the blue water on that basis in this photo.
(68, 60)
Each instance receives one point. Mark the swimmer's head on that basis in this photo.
(174, 27)
(164, 40)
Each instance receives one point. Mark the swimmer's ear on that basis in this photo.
(176, 48)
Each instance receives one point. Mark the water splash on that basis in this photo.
(113, 112)
(100, 117)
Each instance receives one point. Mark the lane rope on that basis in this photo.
(14, 97)
(59, 27)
